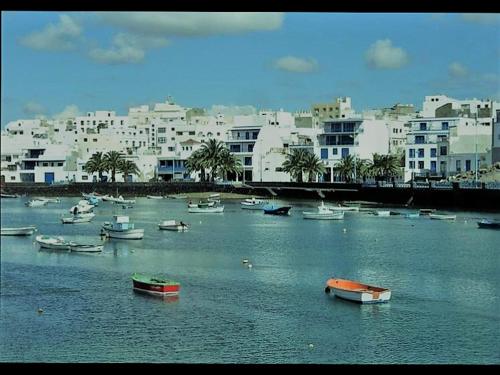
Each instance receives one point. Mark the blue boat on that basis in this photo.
(414, 215)
(272, 209)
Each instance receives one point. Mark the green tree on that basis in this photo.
(313, 165)
(196, 163)
(112, 159)
(228, 163)
(128, 167)
(385, 166)
(294, 164)
(345, 168)
(211, 155)
(96, 164)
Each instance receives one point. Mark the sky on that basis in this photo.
(57, 64)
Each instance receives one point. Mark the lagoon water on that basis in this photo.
(444, 277)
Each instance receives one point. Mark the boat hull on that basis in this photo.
(130, 234)
(205, 210)
(78, 248)
(357, 292)
(442, 217)
(252, 206)
(327, 216)
(487, 224)
(173, 228)
(52, 243)
(277, 211)
(156, 289)
(25, 231)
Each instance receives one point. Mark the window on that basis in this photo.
(444, 126)
(433, 152)
(467, 165)
(336, 128)
(45, 164)
(85, 178)
(335, 151)
(81, 123)
(121, 122)
(419, 139)
(420, 152)
(411, 153)
(423, 126)
(443, 151)
(324, 153)
(433, 166)
(248, 160)
(173, 129)
(172, 139)
(250, 148)
(279, 169)
(178, 133)
(171, 149)
(412, 164)
(94, 139)
(85, 139)
(234, 148)
(421, 164)
(60, 164)
(162, 140)
(345, 152)
(192, 133)
(349, 127)
(458, 166)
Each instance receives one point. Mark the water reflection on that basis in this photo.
(166, 298)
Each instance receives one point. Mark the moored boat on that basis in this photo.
(342, 208)
(4, 195)
(121, 228)
(356, 291)
(78, 218)
(85, 248)
(83, 206)
(201, 204)
(323, 213)
(383, 213)
(489, 224)
(36, 203)
(21, 231)
(442, 216)
(412, 215)
(426, 211)
(253, 204)
(52, 243)
(205, 209)
(272, 209)
(176, 226)
(155, 285)
(154, 196)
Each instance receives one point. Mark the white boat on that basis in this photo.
(3, 195)
(85, 248)
(357, 292)
(201, 204)
(93, 196)
(79, 218)
(121, 200)
(154, 196)
(36, 203)
(177, 196)
(21, 231)
(253, 204)
(122, 228)
(342, 208)
(323, 213)
(442, 217)
(214, 196)
(176, 226)
(48, 200)
(53, 243)
(205, 209)
(83, 206)
(383, 213)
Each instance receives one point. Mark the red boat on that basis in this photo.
(155, 285)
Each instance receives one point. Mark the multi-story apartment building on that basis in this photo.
(495, 140)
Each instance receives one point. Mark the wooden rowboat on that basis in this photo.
(356, 291)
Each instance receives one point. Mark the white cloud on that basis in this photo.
(482, 18)
(32, 108)
(68, 112)
(457, 70)
(383, 55)
(192, 23)
(296, 64)
(126, 49)
(233, 110)
(59, 37)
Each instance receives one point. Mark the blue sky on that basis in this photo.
(63, 63)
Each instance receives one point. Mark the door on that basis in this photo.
(49, 177)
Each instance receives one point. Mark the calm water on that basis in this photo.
(445, 278)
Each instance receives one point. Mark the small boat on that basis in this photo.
(343, 208)
(272, 209)
(413, 215)
(154, 196)
(490, 224)
(201, 204)
(122, 228)
(177, 196)
(356, 291)
(323, 213)
(21, 231)
(53, 243)
(79, 218)
(125, 206)
(83, 206)
(85, 248)
(48, 200)
(120, 200)
(442, 217)
(92, 196)
(176, 226)
(155, 285)
(3, 195)
(383, 213)
(93, 201)
(36, 203)
(253, 204)
(205, 209)
(426, 211)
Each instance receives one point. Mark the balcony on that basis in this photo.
(168, 170)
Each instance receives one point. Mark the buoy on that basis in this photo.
(250, 265)
(345, 230)
(311, 346)
(200, 221)
(245, 261)
(40, 310)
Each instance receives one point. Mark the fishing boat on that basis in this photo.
(356, 291)
(176, 226)
(426, 211)
(272, 209)
(383, 213)
(85, 248)
(442, 216)
(52, 243)
(83, 206)
(201, 209)
(121, 200)
(154, 196)
(21, 231)
(36, 203)
(323, 213)
(253, 204)
(342, 208)
(177, 196)
(490, 224)
(92, 196)
(3, 195)
(122, 228)
(155, 285)
(412, 215)
(48, 200)
(78, 218)
(201, 204)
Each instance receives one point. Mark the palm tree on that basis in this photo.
(112, 160)
(385, 166)
(363, 168)
(313, 165)
(345, 168)
(96, 164)
(128, 167)
(211, 154)
(196, 163)
(228, 163)
(294, 163)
